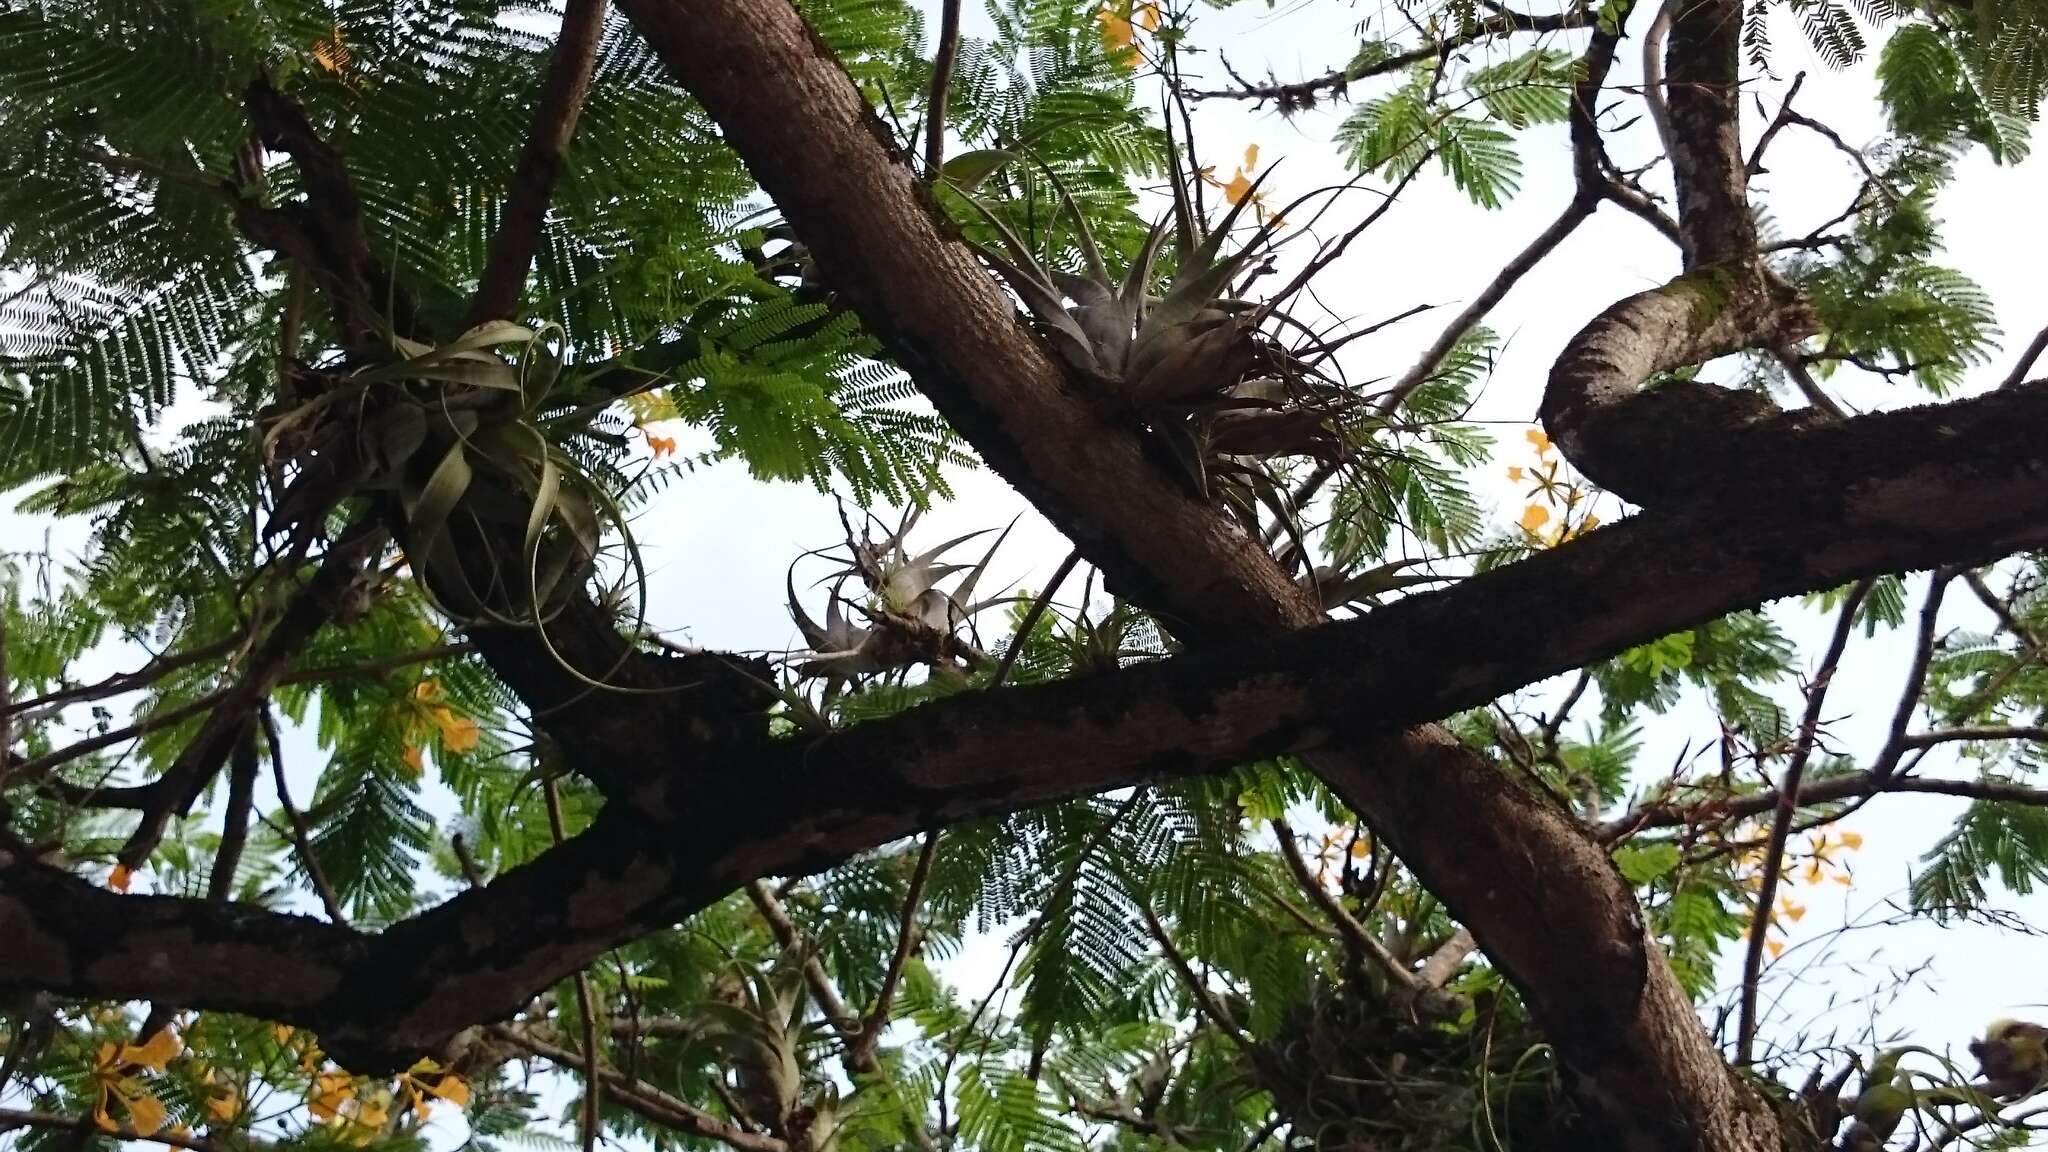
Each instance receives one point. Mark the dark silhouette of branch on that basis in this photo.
(942, 80)
(906, 937)
(1788, 807)
(645, 1099)
(301, 834)
(2025, 363)
(517, 239)
(1304, 93)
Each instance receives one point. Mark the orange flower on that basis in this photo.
(120, 877)
(662, 445)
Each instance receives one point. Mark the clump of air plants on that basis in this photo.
(911, 619)
(754, 1022)
(1202, 369)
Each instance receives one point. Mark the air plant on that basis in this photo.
(755, 1022)
(1197, 364)
(910, 619)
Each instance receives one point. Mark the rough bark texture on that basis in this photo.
(1532, 885)
(822, 154)
(1809, 508)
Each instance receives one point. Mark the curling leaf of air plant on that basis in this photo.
(911, 619)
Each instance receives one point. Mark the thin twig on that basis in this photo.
(906, 936)
(645, 1099)
(1512, 272)
(1916, 676)
(942, 79)
(1302, 93)
(1807, 385)
(2025, 363)
(1788, 807)
(1770, 133)
(593, 1080)
(139, 795)
(1205, 1001)
(1357, 941)
(1031, 616)
(302, 836)
(87, 1126)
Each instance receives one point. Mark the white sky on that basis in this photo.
(719, 543)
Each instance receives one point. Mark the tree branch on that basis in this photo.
(942, 80)
(1788, 807)
(1830, 508)
(1304, 93)
(518, 236)
(645, 1099)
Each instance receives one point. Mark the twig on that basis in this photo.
(593, 1080)
(1777, 125)
(906, 935)
(302, 837)
(1807, 385)
(791, 938)
(309, 609)
(1653, 75)
(1834, 789)
(517, 239)
(234, 832)
(141, 794)
(645, 1099)
(1436, 971)
(1546, 241)
(1303, 93)
(1205, 1001)
(1358, 942)
(1788, 807)
(1982, 733)
(86, 1126)
(1031, 616)
(2020, 368)
(1916, 676)
(942, 79)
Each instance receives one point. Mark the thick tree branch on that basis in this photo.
(1656, 447)
(518, 236)
(1830, 507)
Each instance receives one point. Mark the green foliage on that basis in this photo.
(1426, 117)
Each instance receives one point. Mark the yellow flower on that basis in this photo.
(1537, 437)
(425, 1082)
(1853, 841)
(330, 1091)
(112, 1083)
(1515, 473)
(1534, 517)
